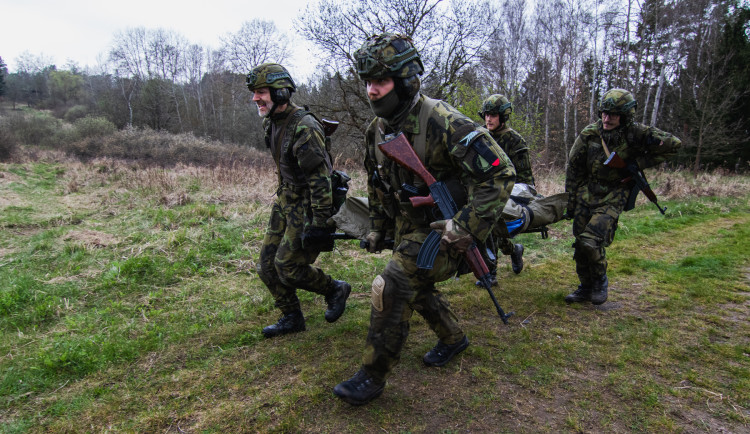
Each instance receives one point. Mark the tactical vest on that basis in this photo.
(392, 195)
(287, 166)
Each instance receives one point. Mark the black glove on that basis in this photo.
(316, 238)
(569, 212)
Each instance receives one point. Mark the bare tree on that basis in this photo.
(257, 41)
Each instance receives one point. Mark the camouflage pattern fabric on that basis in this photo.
(619, 101)
(596, 194)
(388, 55)
(515, 147)
(270, 75)
(402, 288)
(284, 265)
(497, 104)
(307, 164)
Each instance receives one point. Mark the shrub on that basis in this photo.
(37, 129)
(8, 141)
(76, 112)
(163, 149)
(91, 126)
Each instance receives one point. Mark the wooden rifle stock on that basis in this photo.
(329, 126)
(400, 150)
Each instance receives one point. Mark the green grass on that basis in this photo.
(121, 312)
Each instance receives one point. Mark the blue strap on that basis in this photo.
(514, 226)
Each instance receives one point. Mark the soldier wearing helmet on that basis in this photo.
(456, 151)
(496, 110)
(597, 195)
(297, 229)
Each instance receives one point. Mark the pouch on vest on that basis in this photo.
(339, 178)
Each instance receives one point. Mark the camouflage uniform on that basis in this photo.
(596, 194)
(402, 288)
(297, 228)
(454, 150)
(515, 147)
(303, 199)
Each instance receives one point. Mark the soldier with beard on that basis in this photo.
(456, 151)
(597, 194)
(297, 230)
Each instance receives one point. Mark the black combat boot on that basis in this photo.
(442, 353)
(360, 389)
(290, 323)
(336, 299)
(579, 295)
(516, 258)
(599, 291)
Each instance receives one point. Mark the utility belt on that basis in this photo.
(296, 189)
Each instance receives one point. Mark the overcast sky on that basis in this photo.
(83, 30)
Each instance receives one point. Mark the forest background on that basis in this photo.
(685, 61)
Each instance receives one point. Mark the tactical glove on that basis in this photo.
(316, 238)
(454, 236)
(375, 242)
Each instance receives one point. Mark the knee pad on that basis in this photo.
(378, 288)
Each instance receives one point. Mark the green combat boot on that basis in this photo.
(442, 353)
(516, 258)
(599, 291)
(336, 299)
(360, 389)
(290, 323)
(579, 295)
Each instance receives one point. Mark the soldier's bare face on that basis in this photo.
(379, 87)
(610, 121)
(262, 98)
(492, 121)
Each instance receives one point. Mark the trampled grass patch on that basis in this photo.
(129, 301)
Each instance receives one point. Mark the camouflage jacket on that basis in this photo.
(589, 180)
(451, 155)
(302, 160)
(515, 147)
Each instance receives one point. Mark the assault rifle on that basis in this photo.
(400, 150)
(637, 177)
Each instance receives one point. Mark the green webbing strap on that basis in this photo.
(420, 141)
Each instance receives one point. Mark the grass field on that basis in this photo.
(129, 302)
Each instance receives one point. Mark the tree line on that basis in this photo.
(686, 61)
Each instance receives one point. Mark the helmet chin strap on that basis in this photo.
(273, 108)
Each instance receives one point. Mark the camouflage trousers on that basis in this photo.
(400, 290)
(594, 230)
(284, 266)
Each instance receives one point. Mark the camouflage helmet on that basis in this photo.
(496, 105)
(620, 102)
(388, 55)
(270, 75)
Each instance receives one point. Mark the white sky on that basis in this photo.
(82, 31)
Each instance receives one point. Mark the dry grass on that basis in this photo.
(254, 179)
